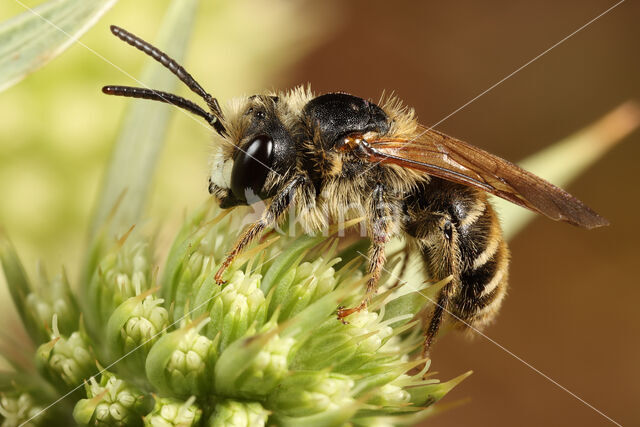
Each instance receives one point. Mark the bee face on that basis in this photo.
(257, 152)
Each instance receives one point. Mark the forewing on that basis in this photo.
(440, 155)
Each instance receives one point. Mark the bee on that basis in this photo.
(324, 155)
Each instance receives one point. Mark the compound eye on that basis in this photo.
(251, 167)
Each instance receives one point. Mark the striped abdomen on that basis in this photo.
(483, 266)
(458, 234)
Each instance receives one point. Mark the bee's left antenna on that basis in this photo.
(175, 68)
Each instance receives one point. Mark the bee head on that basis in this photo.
(256, 154)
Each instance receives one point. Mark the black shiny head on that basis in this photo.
(337, 115)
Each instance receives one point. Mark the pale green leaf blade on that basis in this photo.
(133, 160)
(33, 38)
(19, 286)
(564, 161)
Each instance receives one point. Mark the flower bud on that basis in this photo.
(344, 348)
(134, 327)
(121, 274)
(21, 409)
(230, 413)
(54, 297)
(253, 366)
(169, 412)
(322, 271)
(181, 362)
(306, 282)
(390, 395)
(67, 359)
(239, 305)
(111, 402)
(307, 393)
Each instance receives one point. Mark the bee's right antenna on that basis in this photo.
(177, 69)
(157, 95)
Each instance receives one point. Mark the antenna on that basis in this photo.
(134, 92)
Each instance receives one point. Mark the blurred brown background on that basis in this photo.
(572, 310)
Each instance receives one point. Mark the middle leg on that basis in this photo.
(379, 227)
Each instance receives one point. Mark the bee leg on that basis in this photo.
(379, 227)
(431, 329)
(441, 259)
(278, 206)
(440, 264)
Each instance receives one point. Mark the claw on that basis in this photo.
(340, 314)
(218, 277)
(345, 312)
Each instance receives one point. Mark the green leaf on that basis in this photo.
(135, 154)
(19, 287)
(567, 159)
(33, 38)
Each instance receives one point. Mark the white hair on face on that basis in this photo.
(221, 169)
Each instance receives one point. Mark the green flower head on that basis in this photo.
(266, 347)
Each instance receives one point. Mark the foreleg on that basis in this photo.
(278, 206)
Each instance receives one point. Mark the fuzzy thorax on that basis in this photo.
(343, 194)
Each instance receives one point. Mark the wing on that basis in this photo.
(440, 155)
